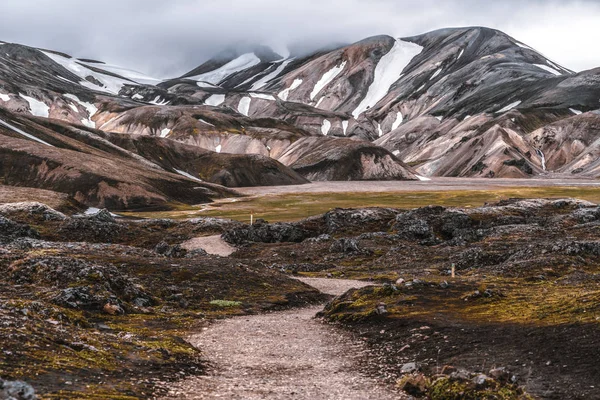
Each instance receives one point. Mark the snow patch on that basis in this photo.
(19, 131)
(379, 130)
(466, 118)
(462, 51)
(319, 102)
(215, 100)
(509, 107)
(422, 178)
(345, 126)
(244, 106)
(576, 112)
(204, 122)
(137, 96)
(387, 72)
(111, 84)
(158, 101)
(94, 211)
(262, 96)
(206, 84)
(398, 121)
(542, 158)
(192, 177)
(435, 74)
(396, 152)
(326, 79)
(4, 97)
(325, 127)
(259, 84)
(549, 69)
(283, 95)
(165, 132)
(38, 108)
(440, 118)
(90, 108)
(136, 76)
(218, 148)
(241, 63)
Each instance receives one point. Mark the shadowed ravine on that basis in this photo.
(282, 355)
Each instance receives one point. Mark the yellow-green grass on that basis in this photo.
(295, 206)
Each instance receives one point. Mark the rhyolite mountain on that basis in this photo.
(467, 102)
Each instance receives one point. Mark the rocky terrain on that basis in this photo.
(500, 300)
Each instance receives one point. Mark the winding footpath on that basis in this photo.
(282, 355)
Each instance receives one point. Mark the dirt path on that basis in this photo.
(282, 355)
(211, 244)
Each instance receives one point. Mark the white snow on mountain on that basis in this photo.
(345, 126)
(90, 108)
(576, 112)
(283, 95)
(136, 76)
(398, 121)
(158, 101)
(387, 72)
(549, 69)
(325, 127)
(192, 177)
(244, 106)
(38, 108)
(262, 96)
(509, 107)
(215, 100)
(204, 122)
(206, 84)
(241, 63)
(435, 74)
(110, 84)
(19, 131)
(326, 79)
(379, 130)
(165, 132)
(218, 148)
(259, 84)
(4, 97)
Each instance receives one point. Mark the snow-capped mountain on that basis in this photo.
(453, 102)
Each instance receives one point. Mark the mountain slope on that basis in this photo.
(453, 102)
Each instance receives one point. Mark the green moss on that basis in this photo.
(225, 303)
(450, 389)
(295, 206)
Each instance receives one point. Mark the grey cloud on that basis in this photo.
(167, 38)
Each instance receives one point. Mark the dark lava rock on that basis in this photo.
(80, 284)
(101, 227)
(266, 233)
(365, 219)
(175, 251)
(346, 246)
(10, 230)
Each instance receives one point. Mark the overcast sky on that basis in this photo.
(169, 37)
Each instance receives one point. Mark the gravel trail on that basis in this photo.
(282, 355)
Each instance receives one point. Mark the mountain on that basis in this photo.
(469, 102)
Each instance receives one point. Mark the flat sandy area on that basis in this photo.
(435, 184)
